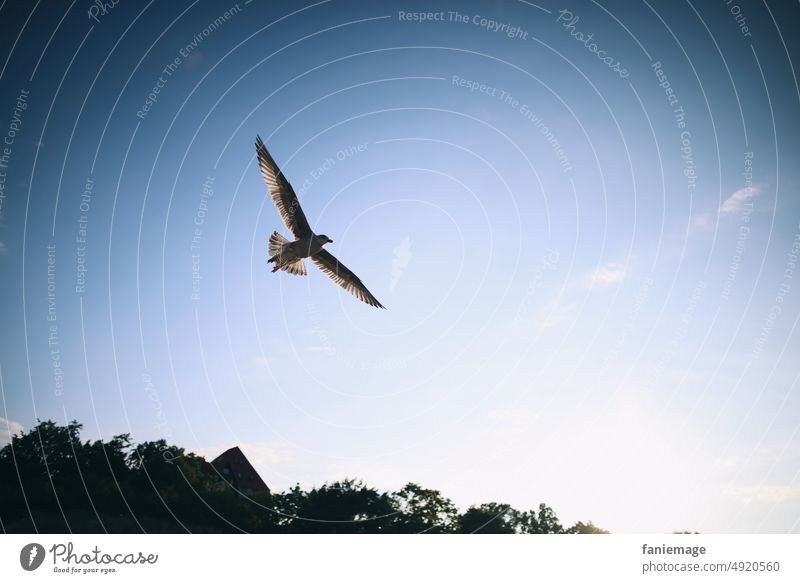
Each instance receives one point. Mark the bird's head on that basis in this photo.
(324, 239)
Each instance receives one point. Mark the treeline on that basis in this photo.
(52, 482)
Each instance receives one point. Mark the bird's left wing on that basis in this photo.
(334, 269)
(282, 193)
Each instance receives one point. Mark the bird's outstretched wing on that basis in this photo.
(282, 193)
(334, 269)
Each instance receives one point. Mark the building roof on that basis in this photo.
(236, 469)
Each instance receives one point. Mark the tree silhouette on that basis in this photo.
(348, 506)
(490, 518)
(544, 522)
(585, 528)
(52, 482)
(421, 510)
(494, 518)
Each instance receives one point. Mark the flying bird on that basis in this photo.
(289, 256)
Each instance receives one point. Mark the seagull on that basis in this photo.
(288, 256)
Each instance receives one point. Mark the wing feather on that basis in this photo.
(282, 193)
(334, 269)
(296, 268)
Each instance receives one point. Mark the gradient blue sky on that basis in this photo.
(588, 327)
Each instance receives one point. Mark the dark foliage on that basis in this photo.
(52, 482)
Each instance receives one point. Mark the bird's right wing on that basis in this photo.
(344, 277)
(282, 193)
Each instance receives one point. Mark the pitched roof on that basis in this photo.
(233, 466)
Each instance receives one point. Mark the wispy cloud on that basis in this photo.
(557, 315)
(734, 203)
(768, 494)
(607, 274)
(262, 361)
(7, 429)
(512, 422)
(702, 221)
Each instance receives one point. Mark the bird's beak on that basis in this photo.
(330, 240)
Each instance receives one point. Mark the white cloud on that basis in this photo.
(262, 361)
(757, 460)
(702, 221)
(7, 429)
(512, 422)
(736, 201)
(768, 494)
(607, 274)
(558, 314)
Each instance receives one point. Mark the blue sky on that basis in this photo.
(590, 281)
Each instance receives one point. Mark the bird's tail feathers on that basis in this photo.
(276, 243)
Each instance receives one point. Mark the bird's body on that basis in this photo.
(288, 255)
(284, 253)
